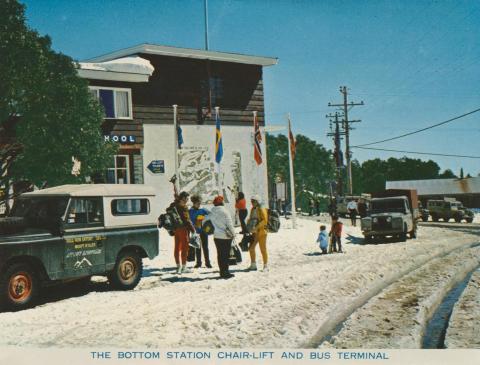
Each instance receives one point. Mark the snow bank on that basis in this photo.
(131, 64)
(284, 307)
(464, 325)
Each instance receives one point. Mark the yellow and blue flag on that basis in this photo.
(218, 140)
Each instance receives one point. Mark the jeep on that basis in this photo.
(391, 216)
(73, 232)
(447, 209)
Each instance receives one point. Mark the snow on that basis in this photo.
(464, 325)
(132, 64)
(292, 305)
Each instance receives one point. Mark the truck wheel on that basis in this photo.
(413, 233)
(458, 219)
(127, 271)
(469, 220)
(434, 218)
(425, 219)
(403, 235)
(19, 287)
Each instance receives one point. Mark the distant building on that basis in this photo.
(465, 190)
(137, 87)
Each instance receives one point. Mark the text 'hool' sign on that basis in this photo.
(157, 166)
(120, 138)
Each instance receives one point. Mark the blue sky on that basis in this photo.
(413, 63)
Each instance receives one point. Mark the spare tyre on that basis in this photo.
(10, 225)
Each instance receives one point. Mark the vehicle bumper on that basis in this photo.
(389, 232)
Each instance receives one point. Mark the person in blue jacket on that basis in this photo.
(197, 216)
(323, 239)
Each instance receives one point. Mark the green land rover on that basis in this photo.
(73, 232)
(449, 209)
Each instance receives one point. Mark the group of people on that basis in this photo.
(193, 222)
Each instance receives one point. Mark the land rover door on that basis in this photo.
(84, 237)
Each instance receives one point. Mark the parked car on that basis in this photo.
(74, 232)
(447, 209)
(342, 202)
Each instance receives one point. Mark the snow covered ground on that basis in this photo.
(464, 328)
(295, 304)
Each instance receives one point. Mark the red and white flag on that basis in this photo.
(257, 152)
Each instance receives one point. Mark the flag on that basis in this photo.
(218, 139)
(257, 153)
(179, 136)
(293, 143)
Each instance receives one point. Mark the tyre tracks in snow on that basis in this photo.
(393, 313)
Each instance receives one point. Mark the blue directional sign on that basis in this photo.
(157, 166)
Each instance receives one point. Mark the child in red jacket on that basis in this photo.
(335, 235)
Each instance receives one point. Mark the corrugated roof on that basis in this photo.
(96, 190)
(439, 186)
(186, 53)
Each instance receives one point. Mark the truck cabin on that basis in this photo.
(389, 205)
(444, 204)
(40, 212)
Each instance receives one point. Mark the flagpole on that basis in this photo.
(219, 166)
(175, 144)
(292, 181)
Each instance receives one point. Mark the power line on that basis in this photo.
(415, 152)
(420, 130)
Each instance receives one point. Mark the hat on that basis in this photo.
(218, 200)
(256, 198)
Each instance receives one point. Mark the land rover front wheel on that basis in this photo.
(403, 235)
(413, 233)
(127, 271)
(19, 287)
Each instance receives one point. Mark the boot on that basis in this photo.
(185, 269)
(179, 269)
(252, 267)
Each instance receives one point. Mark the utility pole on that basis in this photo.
(346, 126)
(336, 134)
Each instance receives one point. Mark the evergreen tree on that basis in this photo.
(47, 115)
(313, 166)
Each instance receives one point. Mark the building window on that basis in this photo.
(212, 92)
(116, 102)
(130, 206)
(120, 172)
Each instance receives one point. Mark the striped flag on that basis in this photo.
(293, 143)
(257, 153)
(218, 139)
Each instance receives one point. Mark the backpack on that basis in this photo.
(273, 221)
(170, 220)
(208, 227)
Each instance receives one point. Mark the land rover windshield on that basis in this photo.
(41, 212)
(388, 206)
